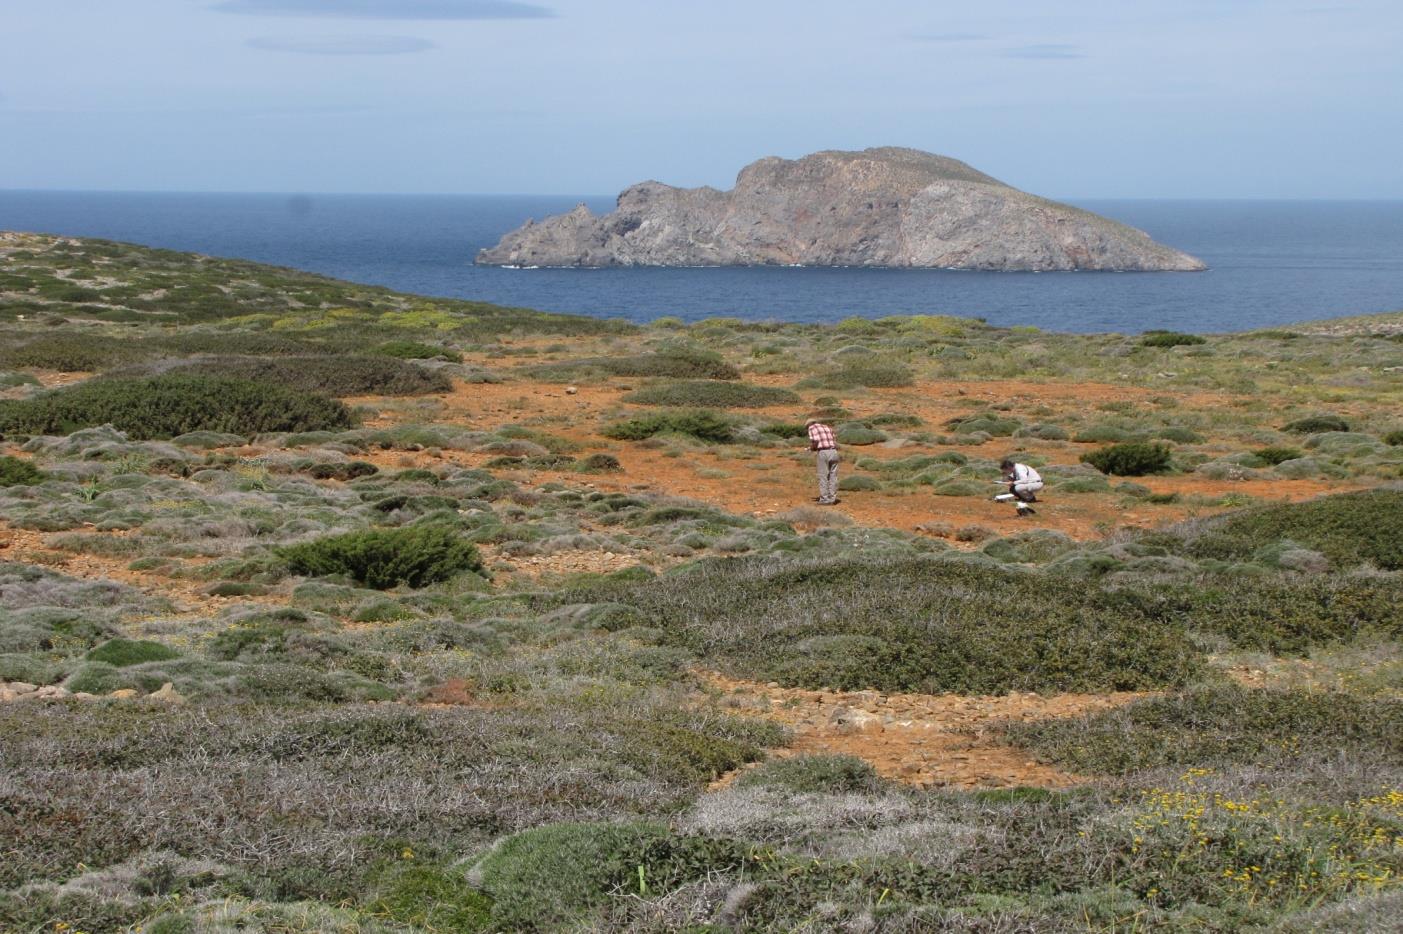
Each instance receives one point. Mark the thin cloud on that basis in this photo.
(341, 45)
(1046, 50)
(389, 9)
(949, 37)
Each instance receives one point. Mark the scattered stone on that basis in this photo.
(21, 687)
(123, 693)
(167, 694)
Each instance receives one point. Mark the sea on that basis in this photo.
(1271, 263)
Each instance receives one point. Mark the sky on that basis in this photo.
(1066, 98)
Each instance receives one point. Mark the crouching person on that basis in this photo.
(1023, 485)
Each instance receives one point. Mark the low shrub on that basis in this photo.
(675, 364)
(385, 558)
(859, 374)
(170, 405)
(1129, 459)
(16, 472)
(1271, 456)
(69, 352)
(988, 422)
(712, 394)
(1170, 339)
(1394, 438)
(702, 425)
(909, 625)
(1315, 424)
(858, 435)
(599, 463)
(413, 350)
(1348, 528)
(1219, 725)
(343, 471)
(859, 484)
(120, 653)
(815, 774)
(332, 376)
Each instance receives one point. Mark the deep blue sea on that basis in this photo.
(1272, 262)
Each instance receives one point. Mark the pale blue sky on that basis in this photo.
(1068, 98)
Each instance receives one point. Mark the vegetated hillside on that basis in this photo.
(474, 658)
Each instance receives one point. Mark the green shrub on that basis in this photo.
(166, 406)
(1271, 456)
(1394, 438)
(987, 422)
(855, 375)
(859, 484)
(858, 435)
(909, 625)
(1170, 339)
(1315, 424)
(547, 877)
(815, 774)
(429, 897)
(712, 394)
(599, 463)
(1348, 528)
(1129, 459)
(385, 558)
(15, 472)
(1220, 725)
(702, 425)
(332, 376)
(343, 471)
(120, 653)
(69, 352)
(675, 364)
(413, 350)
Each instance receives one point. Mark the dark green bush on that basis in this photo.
(1276, 454)
(385, 558)
(1394, 438)
(816, 774)
(1348, 528)
(988, 422)
(1315, 424)
(1129, 459)
(332, 376)
(119, 653)
(413, 350)
(15, 472)
(599, 463)
(859, 484)
(1170, 339)
(166, 406)
(712, 394)
(348, 470)
(1221, 725)
(702, 425)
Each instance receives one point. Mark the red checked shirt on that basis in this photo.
(822, 437)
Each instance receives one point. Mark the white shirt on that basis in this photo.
(1022, 473)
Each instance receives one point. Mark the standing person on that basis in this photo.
(1023, 485)
(821, 441)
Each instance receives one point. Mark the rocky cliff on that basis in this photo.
(878, 207)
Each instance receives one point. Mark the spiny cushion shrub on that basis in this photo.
(712, 393)
(988, 422)
(1394, 438)
(702, 425)
(1348, 528)
(817, 774)
(123, 652)
(385, 558)
(1315, 424)
(1170, 339)
(170, 405)
(1219, 725)
(413, 350)
(599, 463)
(1129, 459)
(15, 472)
(909, 624)
(683, 363)
(333, 376)
(858, 374)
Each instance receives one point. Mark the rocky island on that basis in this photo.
(878, 207)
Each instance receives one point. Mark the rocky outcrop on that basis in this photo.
(878, 207)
